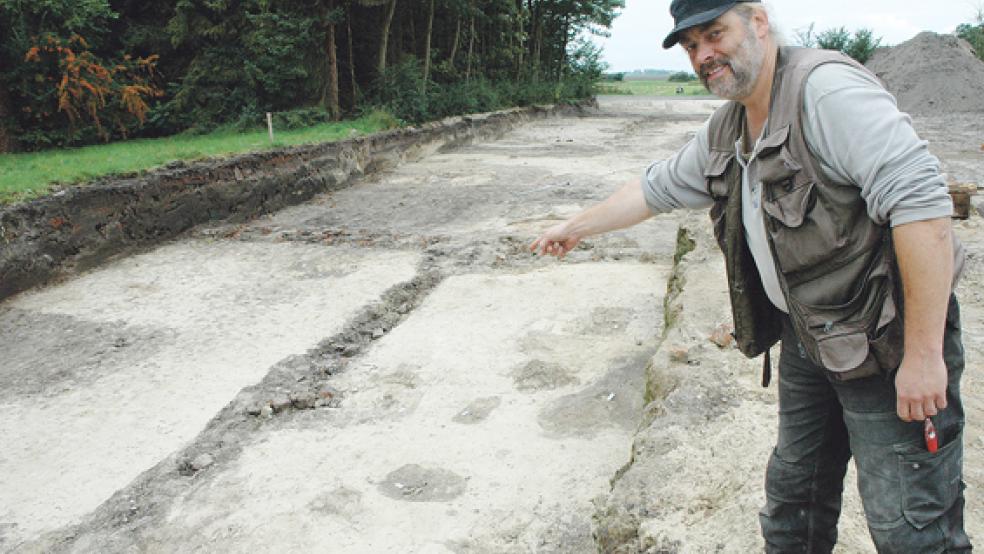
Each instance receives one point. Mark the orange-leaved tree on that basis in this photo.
(74, 83)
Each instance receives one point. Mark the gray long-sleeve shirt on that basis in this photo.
(855, 130)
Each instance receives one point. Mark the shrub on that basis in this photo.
(860, 46)
(682, 77)
(399, 90)
(473, 96)
(381, 118)
(74, 96)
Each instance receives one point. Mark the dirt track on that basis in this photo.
(385, 368)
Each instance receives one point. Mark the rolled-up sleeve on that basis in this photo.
(678, 182)
(854, 126)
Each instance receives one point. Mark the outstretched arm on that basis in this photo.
(626, 207)
(925, 255)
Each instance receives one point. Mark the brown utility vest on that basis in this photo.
(836, 266)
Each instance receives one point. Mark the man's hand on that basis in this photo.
(626, 207)
(921, 387)
(556, 241)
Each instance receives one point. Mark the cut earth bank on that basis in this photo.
(384, 368)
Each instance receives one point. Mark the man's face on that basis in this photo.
(726, 54)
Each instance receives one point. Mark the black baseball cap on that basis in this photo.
(691, 13)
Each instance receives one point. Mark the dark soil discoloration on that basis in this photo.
(478, 410)
(609, 320)
(343, 502)
(415, 483)
(48, 354)
(310, 374)
(615, 399)
(538, 375)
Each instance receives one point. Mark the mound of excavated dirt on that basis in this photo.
(932, 74)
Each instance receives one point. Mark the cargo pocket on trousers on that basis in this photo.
(931, 482)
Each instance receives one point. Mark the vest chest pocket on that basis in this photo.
(716, 174)
(717, 181)
(802, 229)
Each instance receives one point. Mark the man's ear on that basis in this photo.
(761, 21)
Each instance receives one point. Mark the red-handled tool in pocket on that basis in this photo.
(932, 439)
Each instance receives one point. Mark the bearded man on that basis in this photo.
(834, 221)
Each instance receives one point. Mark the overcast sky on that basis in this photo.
(638, 33)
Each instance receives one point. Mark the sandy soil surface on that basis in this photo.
(386, 368)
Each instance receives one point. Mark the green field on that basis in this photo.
(646, 87)
(28, 175)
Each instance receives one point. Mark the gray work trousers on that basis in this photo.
(913, 500)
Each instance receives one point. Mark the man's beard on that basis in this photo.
(745, 67)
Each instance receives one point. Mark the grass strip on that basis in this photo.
(29, 175)
(650, 87)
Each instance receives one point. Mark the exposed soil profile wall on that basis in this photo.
(82, 226)
(688, 485)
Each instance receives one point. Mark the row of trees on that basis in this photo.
(77, 71)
